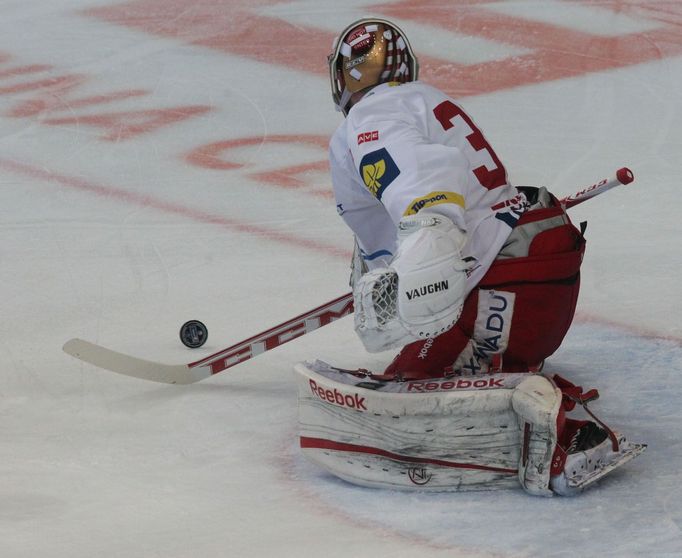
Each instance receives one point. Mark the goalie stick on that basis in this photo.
(217, 362)
(274, 337)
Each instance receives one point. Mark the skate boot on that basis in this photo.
(591, 455)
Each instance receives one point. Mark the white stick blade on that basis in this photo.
(131, 366)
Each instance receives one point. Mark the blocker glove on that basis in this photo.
(421, 293)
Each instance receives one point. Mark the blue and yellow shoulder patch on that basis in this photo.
(378, 170)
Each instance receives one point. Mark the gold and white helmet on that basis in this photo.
(369, 52)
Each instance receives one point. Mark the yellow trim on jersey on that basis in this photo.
(434, 198)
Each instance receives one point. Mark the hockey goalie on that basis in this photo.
(473, 279)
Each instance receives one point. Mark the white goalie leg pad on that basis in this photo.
(449, 434)
(436, 435)
(537, 401)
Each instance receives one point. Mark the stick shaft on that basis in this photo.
(623, 176)
(278, 335)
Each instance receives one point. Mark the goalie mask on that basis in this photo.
(367, 53)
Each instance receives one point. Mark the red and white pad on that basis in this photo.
(480, 432)
(455, 434)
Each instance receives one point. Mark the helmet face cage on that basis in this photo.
(369, 52)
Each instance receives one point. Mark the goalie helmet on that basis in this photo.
(366, 53)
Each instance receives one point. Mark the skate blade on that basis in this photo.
(581, 482)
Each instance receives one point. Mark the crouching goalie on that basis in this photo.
(475, 279)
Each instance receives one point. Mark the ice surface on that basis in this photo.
(164, 161)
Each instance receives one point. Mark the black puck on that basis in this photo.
(193, 334)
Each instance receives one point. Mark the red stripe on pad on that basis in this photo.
(320, 443)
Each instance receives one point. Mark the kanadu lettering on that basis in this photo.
(484, 348)
(491, 331)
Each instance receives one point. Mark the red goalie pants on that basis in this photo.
(519, 313)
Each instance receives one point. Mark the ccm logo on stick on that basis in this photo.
(337, 398)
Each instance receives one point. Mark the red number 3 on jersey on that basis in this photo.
(446, 113)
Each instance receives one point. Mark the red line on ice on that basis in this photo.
(144, 200)
(637, 331)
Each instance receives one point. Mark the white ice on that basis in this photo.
(119, 242)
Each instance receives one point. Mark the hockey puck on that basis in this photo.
(193, 334)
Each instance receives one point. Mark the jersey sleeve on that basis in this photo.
(374, 230)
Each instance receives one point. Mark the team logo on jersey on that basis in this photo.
(364, 137)
(378, 170)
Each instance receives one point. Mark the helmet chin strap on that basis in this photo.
(347, 96)
(343, 101)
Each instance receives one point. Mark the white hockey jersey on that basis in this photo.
(404, 148)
